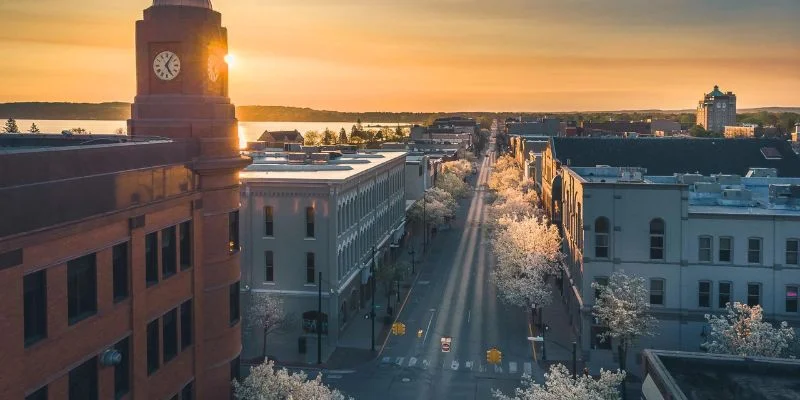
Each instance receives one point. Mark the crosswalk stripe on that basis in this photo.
(400, 361)
(386, 360)
(468, 364)
(512, 368)
(425, 364)
(412, 362)
(498, 369)
(454, 366)
(527, 369)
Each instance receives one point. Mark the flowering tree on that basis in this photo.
(514, 204)
(623, 307)
(742, 331)
(453, 184)
(266, 312)
(265, 382)
(439, 206)
(527, 251)
(559, 385)
(461, 168)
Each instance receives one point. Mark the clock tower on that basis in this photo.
(182, 95)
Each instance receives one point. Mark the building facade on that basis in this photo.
(119, 263)
(306, 214)
(699, 241)
(750, 131)
(717, 110)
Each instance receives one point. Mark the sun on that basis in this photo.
(230, 59)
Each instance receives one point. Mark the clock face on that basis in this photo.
(167, 65)
(214, 69)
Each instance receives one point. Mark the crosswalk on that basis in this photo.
(507, 367)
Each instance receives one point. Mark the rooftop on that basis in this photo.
(12, 143)
(667, 156)
(186, 3)
(282, 166)
(701, 376)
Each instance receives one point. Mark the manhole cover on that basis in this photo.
(406, 380)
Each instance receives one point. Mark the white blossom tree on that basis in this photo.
(453, 184)
(623, 308)
(741, 331)
(439, 207)
(514, 204)
(461, 168)
(506, 174)
(527, 251)
(559, 385)
(265, 382)
(266, 312)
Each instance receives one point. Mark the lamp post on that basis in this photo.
(319, 322)
(424, 221)
(413, 252)
(372, 310)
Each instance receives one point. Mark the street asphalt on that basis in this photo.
(452, 297)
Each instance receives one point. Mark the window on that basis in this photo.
(657, 239)
(754, 251)
(234, 304)
(704, 252)
(40, 394)
(120, 271)
(122, 371)
(601, 229)
(704, 294)
(83, 381)
(187, 393)
(724, 294)
(153, 347)
(602, 281)
(791, 298)
(792, 251)
(169, 257)
(268, 222)
(753, 294)
(151, 258)
(35, 307)
(82, 288)
(310, 268)
(233, 231)
(269, 273)
(310, 222)
(657, 292)
(725, 249)
(170, 335)
(186, 324)
(185, 244)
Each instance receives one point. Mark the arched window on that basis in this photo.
(657, 230)
(601, 242)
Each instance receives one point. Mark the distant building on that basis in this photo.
(615, 128)
(796, 134)
(668, 127)
(538, 127)
(306, 213)
(717, 110)
(700, 376)
(751, 131)
(278, 139)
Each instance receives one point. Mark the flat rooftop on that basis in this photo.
(12, 143)
(273, 167)
(701, 376)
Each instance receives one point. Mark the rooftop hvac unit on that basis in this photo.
(689, 179)
(762, 173)
(320, 158)
(728, 179)
(737, 194)
(707, 187)
(296, 158)
(291, 147)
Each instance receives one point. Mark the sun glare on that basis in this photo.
(231, 60)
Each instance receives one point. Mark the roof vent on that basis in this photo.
(762, 173)
(689, 179)
(728, 179)
(296, 158)
(771, 153)
(707, 187)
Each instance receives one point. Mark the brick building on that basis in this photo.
(119, 264)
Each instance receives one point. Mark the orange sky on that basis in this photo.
(430, 55)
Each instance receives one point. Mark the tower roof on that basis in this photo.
(716, 92)
(186, 3)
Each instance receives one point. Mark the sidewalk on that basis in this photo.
(560, 335)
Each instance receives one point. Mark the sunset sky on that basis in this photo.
(430, 55)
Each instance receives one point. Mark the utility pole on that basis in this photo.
(574, 360)
(372, 311)
(319, 322)
(424, 221)
(412, 252)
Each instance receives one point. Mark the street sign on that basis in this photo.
(446, 344)
(536, 339)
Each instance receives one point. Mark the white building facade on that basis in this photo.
(699, 241)
(306, 214)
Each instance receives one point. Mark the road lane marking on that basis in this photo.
(527, 369)
(412, 362)
(386, 360)
(425, 364)
(400, 361)
(428, 329)
(533, 344)
(498, 369)
(512, 367)
(454, 365)
(333, 377)
(469, 315)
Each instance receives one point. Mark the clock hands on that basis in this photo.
(166, 65)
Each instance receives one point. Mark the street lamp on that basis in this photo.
(413, 252)
(372, 310)
(319, 317)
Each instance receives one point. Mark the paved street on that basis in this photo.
(453, 296)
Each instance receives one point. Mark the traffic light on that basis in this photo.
(398, 329)
(494, 356)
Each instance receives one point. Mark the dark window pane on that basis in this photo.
(792, 251)
(153, 347)
(754, 251)
(268, 222)
(725, 245)
(657, 291)
(753, 294)
(310, 222)
(151, 258)
(704, 291)
(234, 304)
(170, 335)
(120, 270)
(186, 245)
(169, 255)
(188, 392)
(657, 226)
(40, 394)
(187, 326)
(233, 231)
(269, 267)
(35, 306)
(310, 268)
(724, 294)
(83, 381)
(791, 298)
(82, 288)
(122, 371)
